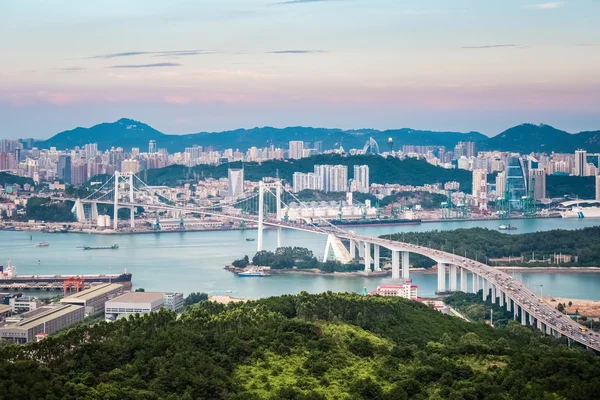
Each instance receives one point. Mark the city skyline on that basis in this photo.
(214, 66)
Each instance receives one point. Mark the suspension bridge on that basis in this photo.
(262, 206)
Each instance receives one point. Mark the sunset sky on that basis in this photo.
(186, 66)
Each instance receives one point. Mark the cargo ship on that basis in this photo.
(113, 247)
(369, 222)
(10, 280)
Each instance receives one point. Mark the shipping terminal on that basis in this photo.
(9, 280)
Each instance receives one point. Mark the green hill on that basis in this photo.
(381, 170)
(328, 346)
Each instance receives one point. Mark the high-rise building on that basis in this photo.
(480, 188)
(235, 182)
(361, 178)
(516, 181)
(152, 147)
(63, 168)
(319, 146)
(79, 173)
(130, 166)
(598, 187)
(309, 181)
(580, 162)
(296, 150)
(500, 184)
(469, 149)
(537, 182)
(332, 178)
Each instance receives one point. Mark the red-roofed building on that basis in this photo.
(406, 290)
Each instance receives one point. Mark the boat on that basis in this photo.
(10, 280)
(256, 272)
(113, 247)
(581, 212)
(508, 227)
(42, 244)
(250, 239)
(368, 222)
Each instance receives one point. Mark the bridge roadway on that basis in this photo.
(500, 284)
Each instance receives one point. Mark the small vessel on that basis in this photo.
(42, 244)
(113, 247)
(508, 227)
(256, 272)
(250, 239)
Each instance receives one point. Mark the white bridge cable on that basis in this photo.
(98, 190)
(307, 208)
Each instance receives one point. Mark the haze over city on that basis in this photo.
(217, 65)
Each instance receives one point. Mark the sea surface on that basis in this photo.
(193, 261)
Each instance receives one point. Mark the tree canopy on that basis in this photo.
(328, 346)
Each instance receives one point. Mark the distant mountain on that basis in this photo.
(527, 138)
(128, 133)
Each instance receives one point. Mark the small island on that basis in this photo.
(294, 260)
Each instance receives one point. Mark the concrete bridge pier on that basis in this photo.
(501, 297)
(508, 303)
(132, 217)
(405, 265)
(485, 289)
(352, 249)
(493, 293)
(523, 317)
(367, 256)
(516, 311)
(475, 282)
(376, 259)
(441, 277)
(395, 265)
(452, 277)
(94, 207)
(463, 281)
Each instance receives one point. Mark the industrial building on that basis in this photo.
(173, 301)
(405, 290)
(44, 320)
(21, 304)
(94, 298)
(134, 303)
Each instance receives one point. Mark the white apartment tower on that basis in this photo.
(235, 182)
(480, 188)
(152, 147)
(308, 181)
(332, 178)
(580, 162)
(361, 178)
(296, 150)
(500, 184)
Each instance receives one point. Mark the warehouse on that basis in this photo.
(94, 298)
(133, 303)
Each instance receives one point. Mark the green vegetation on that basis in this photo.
(582, 187)
(381, 170)
(480, 243)
(472, 306)
(328, 346)
(9, 179)
(298, 257)
(43, 209)
(194, 298)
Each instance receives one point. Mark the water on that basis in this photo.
(193, 261)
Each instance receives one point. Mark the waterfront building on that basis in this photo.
(580, 162)
(133, 303)
(516, 181)
(405, 290)
(94, 298)
(361, 178)
(235, 181)
(452, 185)
(537, 182)
(173, 301)
(296, 150)
(20, 304)
(480, 188)
(24, 328)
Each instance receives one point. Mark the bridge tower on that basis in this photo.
(116, 204)
(261, 206)
(278, 210)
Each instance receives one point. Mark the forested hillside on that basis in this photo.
(481, 243)
(329, 346)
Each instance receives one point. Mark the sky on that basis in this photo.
(185, 66)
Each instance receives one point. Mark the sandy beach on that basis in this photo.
(589, 308)
(224, 299)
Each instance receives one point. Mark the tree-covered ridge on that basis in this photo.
(44, 209)
(382, 170)
(328, 346)
(9, 179)
(481, 243)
